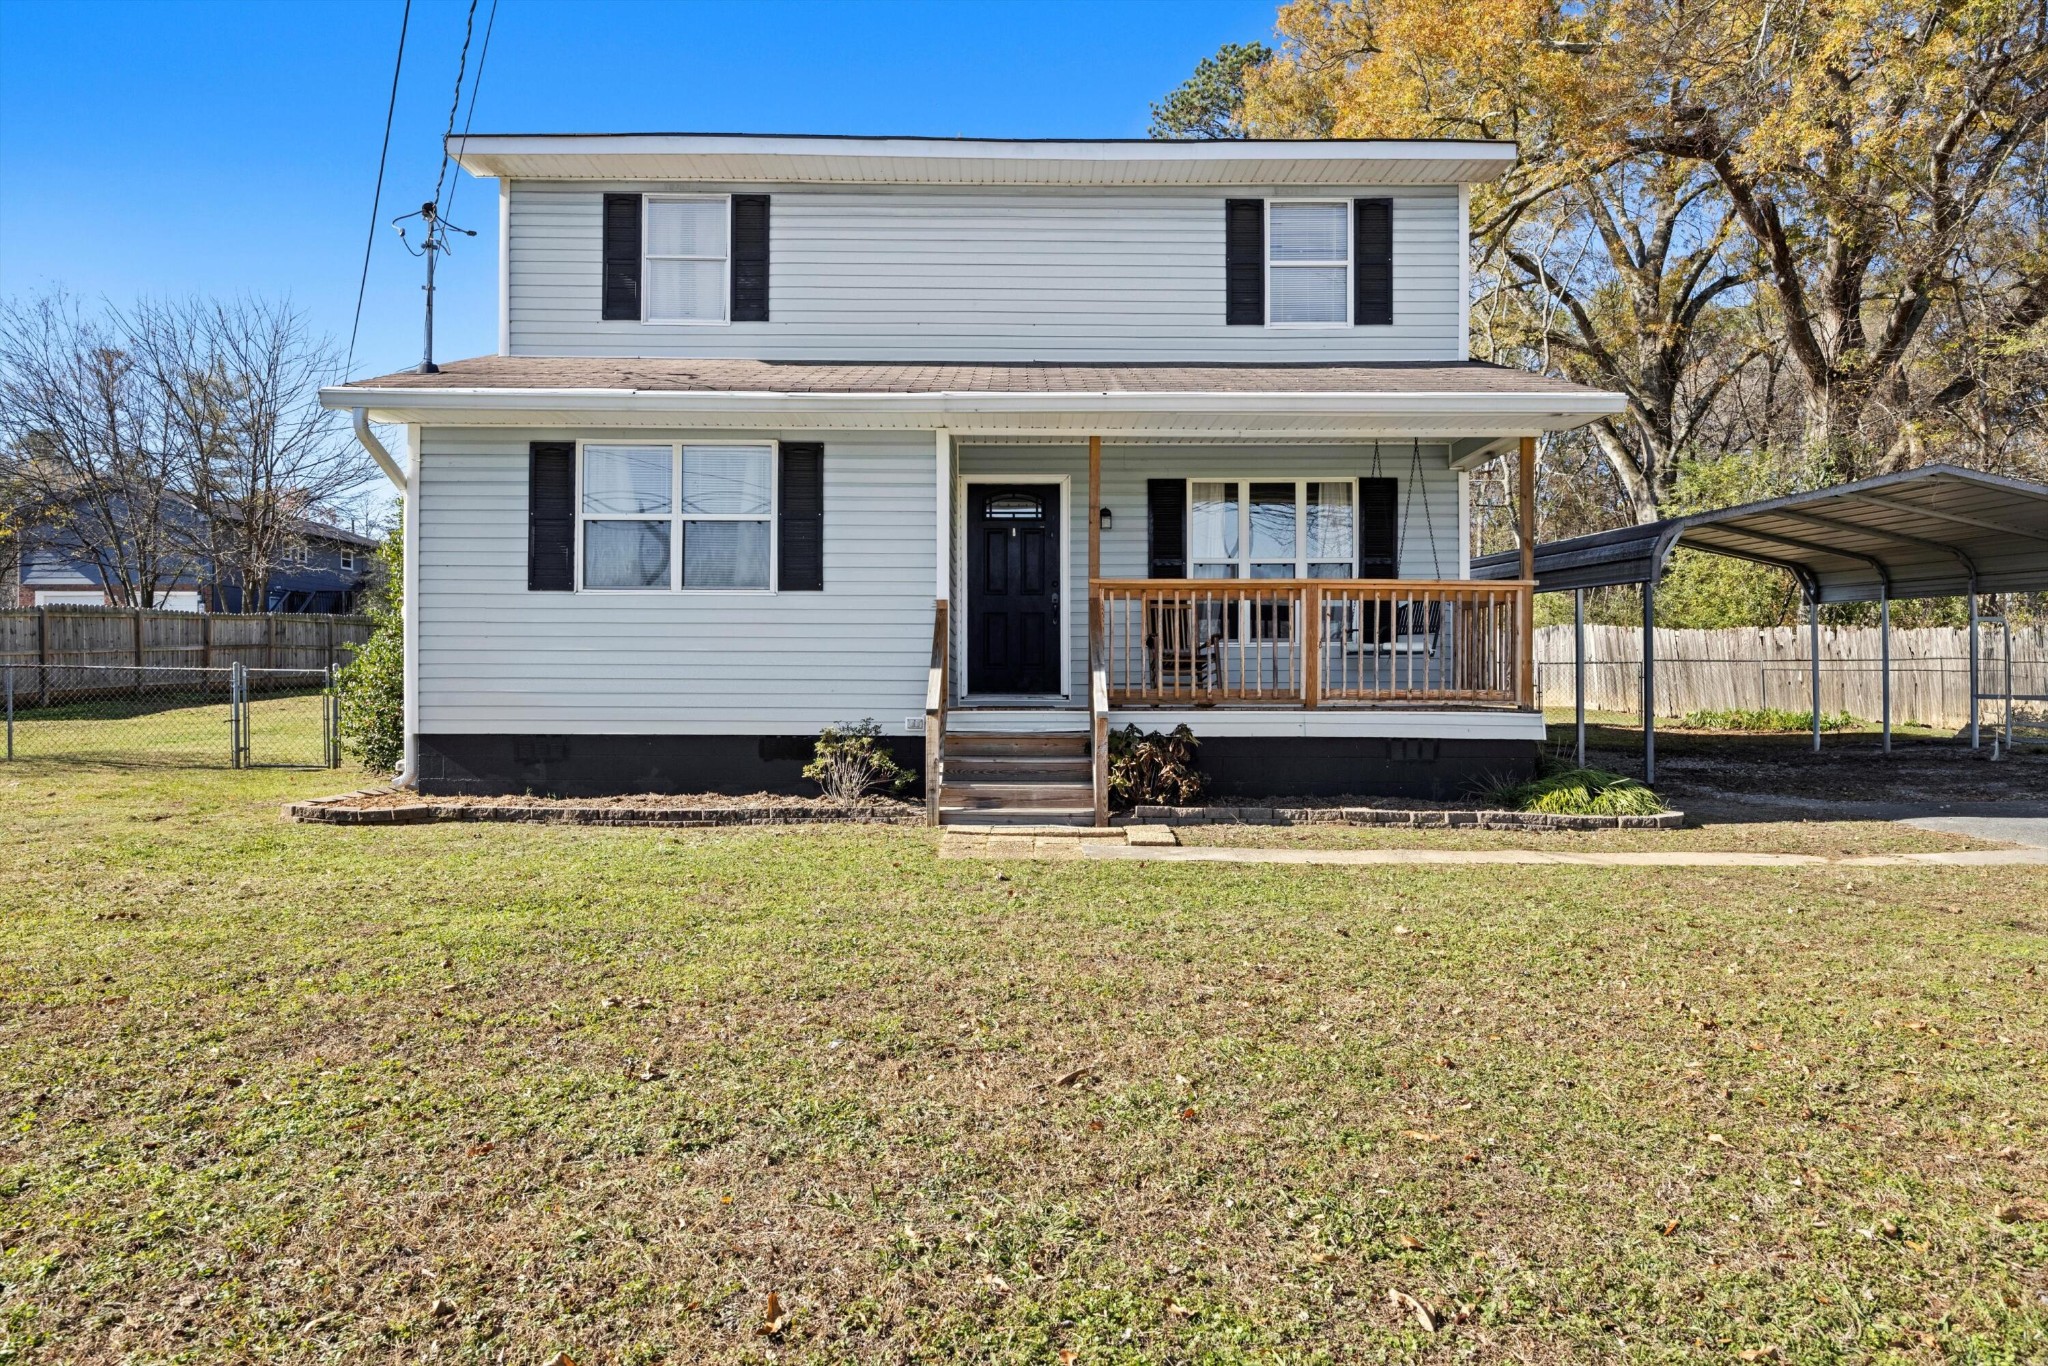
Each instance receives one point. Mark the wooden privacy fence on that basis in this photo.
(43, 643)
(1741, 668)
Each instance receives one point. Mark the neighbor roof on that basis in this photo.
(756, 157)
(1921, 533)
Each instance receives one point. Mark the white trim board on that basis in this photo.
(1324, 723)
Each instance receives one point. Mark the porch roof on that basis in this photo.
(1426, 398)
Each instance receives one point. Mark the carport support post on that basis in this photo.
(1579, 667)
(1975, 686)
(1813, 653)
(1650, 680)
(1884, 661)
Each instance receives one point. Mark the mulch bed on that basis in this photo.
(1412, 816)
(392, 806)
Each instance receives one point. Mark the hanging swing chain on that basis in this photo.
(1436, 563)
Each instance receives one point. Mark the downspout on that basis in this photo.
(407, 775)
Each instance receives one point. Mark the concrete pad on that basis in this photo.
(2031, 831)
(1151, 836)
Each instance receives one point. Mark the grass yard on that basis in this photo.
(174, 731)
(486, 1093)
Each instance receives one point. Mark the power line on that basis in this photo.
(455, 102)
(377, 199)
(482, 57)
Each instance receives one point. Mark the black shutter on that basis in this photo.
(800, 524)
(1372, 243)
(1166, 528)
(1379, 529)
(551, 517)
(750, 258)
(1244, 262)
(622, 257)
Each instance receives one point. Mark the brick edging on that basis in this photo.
(331, 811)
(1396, 819)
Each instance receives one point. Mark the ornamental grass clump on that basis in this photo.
(1581, 792)
(851, 763)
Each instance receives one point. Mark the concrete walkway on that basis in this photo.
(1156, 845)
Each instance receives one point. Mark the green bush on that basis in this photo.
(1762, 719)
(1151, 769)
(850, 762)
(373, 682)
(1581, 792)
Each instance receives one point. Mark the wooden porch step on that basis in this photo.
(1018, 768)
(1023, 816)
(984, 795)
(1036, 744)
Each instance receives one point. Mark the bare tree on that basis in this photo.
(238, 381)
(84, 447)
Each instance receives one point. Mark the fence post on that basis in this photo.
(235, 716)
(10, 712)
(269, 640)
(138, 652)
(43, 655)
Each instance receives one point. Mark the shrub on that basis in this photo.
(1581, 792)
(373, 682)
(1151, 769)
(850, 763)
(1762, 719)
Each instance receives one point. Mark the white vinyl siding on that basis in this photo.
(495, 658)
(998, 274)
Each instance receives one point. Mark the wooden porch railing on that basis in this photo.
(936, 687)
(1308, 642)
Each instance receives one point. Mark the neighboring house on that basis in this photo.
(326, 571)
(1192, 421)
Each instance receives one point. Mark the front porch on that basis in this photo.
(1283, 617)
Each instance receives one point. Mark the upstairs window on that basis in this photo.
(688, 246)
(348, 559)
(1308, 263)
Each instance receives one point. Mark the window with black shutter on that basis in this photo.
(1379, 529)
(1244, 262)
(800, 520)
(551, 517)
(1373, 275)
(1166, 528)
(621, 283)
(750, 258)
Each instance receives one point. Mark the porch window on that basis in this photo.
(1273, 528)
(675, 517)
(1308, 263)
(686, 259)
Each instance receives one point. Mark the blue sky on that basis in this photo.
(168, 148)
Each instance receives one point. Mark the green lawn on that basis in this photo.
(170, 731)
(483, 1093)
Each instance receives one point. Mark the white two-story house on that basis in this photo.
(1000, 443)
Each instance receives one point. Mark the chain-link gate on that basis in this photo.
(235, 716)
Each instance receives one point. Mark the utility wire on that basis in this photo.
(481, 58)
(454, 103)
(377, 199)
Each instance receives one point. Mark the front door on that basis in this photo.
(1013, 588)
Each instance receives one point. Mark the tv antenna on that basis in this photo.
(434, 242)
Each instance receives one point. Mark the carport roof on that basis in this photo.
(1937, 531)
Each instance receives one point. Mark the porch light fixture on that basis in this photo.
(1103, 518)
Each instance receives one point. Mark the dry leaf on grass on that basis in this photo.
(2026, 1210)
(774, 1317)
(1401, 1299)
(1084, 1072)
(1176, 1309)
(1410, 1242)
(1670, 1227)
(1068, 1356)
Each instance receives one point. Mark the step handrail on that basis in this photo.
(935, 689)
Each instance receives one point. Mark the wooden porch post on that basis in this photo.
(1525, 531)
(1094, 525)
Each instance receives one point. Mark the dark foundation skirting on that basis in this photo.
(1295, 766)
(611, 765)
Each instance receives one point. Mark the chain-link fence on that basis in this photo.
(233, 717)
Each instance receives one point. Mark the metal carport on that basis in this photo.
(1937, 531)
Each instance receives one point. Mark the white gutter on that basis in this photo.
(1580, 407)
(370, 443)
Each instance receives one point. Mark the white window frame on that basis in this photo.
(1350, 265)
(676, 517)
(1244, 560)
(647, 203)
(348, 559)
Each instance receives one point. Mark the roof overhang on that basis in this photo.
(1482, 420)
(771, 158)
(1937, 531)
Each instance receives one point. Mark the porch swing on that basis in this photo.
(1408, 628)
